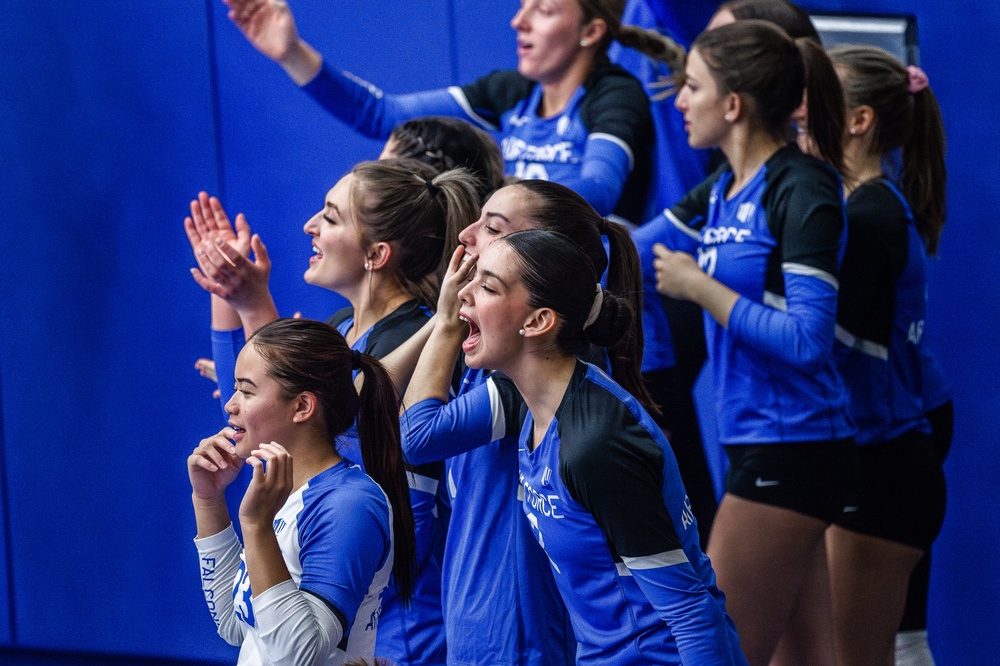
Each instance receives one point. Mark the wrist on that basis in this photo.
(301, 62)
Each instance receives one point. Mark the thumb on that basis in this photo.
(260, 252)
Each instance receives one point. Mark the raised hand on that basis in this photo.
(459, 269)
(206, 368)
(269, 487)
(214, 465)
(267, 24)
(208, 222)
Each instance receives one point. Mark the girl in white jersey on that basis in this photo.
(320, 538)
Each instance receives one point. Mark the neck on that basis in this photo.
(556, 94)
(373, 300)
(747, 150)
(310, 456)
(542, 381)
(860, 166)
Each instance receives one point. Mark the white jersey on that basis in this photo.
(335, 534)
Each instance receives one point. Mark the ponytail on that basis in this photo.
(382, 454)
(825, 101)
(924, 174)
(456, 194)
(656, 46)
(624, 279)
(907, 117)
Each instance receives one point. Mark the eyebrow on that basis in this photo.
(493, 275)
(244, 380)
(499, 215)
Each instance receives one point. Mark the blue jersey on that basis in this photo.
(605, 500)
(777, 243)
(598, 145)
(411, 635)
(335, 535)
(501, 606)
(881, 313)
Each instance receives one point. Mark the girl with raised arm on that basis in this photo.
(566, 114)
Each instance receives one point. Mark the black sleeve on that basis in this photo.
(876, 254)
(614, 468)
(616, 104)
(338, 317)
(805, 211)
(395, 329)
(491, 95)
(514, 409)
(692, 210)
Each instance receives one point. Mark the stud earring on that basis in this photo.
(728, 118)
(584, 43)
(521, 332)
(368, 265)
(854, 130)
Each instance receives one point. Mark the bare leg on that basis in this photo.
(808, 638)
(762, 556)
(869, 577)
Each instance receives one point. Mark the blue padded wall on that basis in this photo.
(108, 126)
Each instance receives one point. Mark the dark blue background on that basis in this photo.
(114, 113)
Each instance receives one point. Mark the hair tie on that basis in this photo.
(432, 188)
(595, 308)
(918, 79)
(355, 359)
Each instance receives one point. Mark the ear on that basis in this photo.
(540, 322)
(379, 255)
(734, 107)
(860, 119)
(305, 406)
(593, 31)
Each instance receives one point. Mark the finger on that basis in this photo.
(660, 250)
(219, 217)
(217, 394)
(242, 227)
(263, 259)
(209, 285)
(456, 258)
(297, 315)
(466, 268)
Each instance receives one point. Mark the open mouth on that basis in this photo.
(317, 255)
(238, 435)
(474, 334)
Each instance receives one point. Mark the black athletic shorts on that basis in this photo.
(814, 478)
(901, 492)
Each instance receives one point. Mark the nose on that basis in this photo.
(311, 227)
(231, 405)
(517, 23)
(465, 293)
(680, 102)
(467, 236)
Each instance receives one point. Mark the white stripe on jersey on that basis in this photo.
(674, 220)
(496, 410)
(866, 347)
(772, 300)
(658, 561)
(622, 569)
(802, 269)
(618, 142)
(463, 102)
(422, 483)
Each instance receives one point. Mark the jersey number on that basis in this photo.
(707, 259)
(532, 171)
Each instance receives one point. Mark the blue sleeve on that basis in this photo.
(605, 165)
(668, 229)
(226, 346)
(702, 630)
(423, 502)
(342, 546)
(432, 430)
(368, 110)
(800, 334)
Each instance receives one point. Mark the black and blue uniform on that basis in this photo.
(880, 329)
(598, 145)
(501, 605)
(603, 497)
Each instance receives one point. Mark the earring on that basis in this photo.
(854, 130)
(728, 118)
(521, 332)
(584, 43)
(368, 265)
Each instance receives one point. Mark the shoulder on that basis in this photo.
(338, 317)
(600, 423)
(790, 169)
(874, 203)
(501, 89)
(395, 328)
(611, 89)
